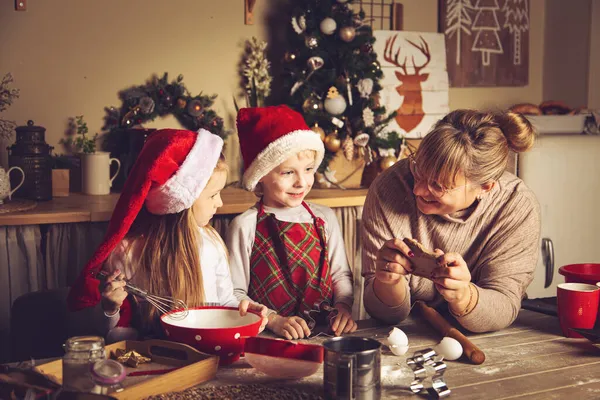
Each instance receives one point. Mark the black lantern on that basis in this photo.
(32, 154)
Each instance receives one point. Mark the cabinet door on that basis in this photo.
(564, 173)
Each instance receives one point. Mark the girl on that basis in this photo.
(286, 253)
(159, 238)
(455, 195)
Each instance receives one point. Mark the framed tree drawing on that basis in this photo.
(487, 41)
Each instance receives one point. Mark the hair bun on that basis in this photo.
(517, 129)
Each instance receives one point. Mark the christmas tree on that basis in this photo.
(332, 77)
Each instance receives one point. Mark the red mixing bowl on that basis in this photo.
(213, 330)
(581, 273)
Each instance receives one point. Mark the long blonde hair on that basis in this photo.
(165, 253)
(474, 143)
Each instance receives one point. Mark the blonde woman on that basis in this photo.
(159, 238)
(455, 196)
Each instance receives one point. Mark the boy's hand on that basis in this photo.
(246, 306)
(343, 322)
(113, 292)
(288, 327)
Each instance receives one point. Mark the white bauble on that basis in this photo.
(449, 348)
(328, 26)
(335, 105)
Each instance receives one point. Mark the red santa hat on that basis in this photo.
(271, 135)
(168, 176)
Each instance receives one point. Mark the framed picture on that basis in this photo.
(415, 79)
(487, 41)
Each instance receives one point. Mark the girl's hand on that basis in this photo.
(246, 306)
(452, 280)
(343, 322)
(113, 292)
(393, 262)
(288, 327)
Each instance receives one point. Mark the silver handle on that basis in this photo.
(548, 256)
(343, 384)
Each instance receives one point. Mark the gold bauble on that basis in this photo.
(332, 142)
(181, 103)
(386, 162)
(347, 34)
(319, 131)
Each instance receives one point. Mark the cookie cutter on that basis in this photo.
(320, 314)
(420, 363)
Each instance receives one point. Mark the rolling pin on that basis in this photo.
(473, 353)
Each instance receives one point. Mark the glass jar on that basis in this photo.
(108, 375)
(81, 353)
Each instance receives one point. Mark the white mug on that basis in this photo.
(5, 183)
(95, 173)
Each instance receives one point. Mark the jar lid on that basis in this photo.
(84, 343)
(107, 372)
(30, 127)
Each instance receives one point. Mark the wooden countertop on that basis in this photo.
(78, 207)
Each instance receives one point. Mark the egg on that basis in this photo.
(449, 348)
(398, 342)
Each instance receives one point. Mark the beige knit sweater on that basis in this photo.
(497, 236)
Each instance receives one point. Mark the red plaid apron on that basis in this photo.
(289, 267)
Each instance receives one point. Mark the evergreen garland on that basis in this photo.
(156, 98)
(346, 63)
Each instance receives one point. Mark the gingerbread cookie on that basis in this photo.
(424, 262)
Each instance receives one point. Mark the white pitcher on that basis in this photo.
(5, 183)
(95, 172)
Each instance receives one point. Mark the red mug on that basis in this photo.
(577, 306)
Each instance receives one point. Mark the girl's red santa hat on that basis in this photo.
(271, 135)
(168, 176)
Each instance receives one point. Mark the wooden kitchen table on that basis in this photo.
(528, 360)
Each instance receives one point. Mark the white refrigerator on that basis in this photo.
(564, 173)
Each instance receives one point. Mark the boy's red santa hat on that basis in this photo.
(271, 135)
(168, 176)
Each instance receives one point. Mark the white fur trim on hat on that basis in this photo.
(182, 189)
(279, 151)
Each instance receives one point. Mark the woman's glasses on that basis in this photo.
(434, 188)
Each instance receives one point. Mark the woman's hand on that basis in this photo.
(246, 306)
(113, 292)
(343, 322)
(288, 327)
(452, 280)
(393, 262)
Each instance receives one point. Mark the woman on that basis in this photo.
(455, 196)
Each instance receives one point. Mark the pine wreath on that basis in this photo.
(156, 98)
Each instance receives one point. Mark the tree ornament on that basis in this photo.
(387, 162)
(365, 87)
(333, 142)
(312, 104)
(348, 148)
(347, 34)
(335, 104)
(181, 103)
(289, 56)
(146, 105)
(362, 139)
(299, 24)
(368, 117)
(349, 89)
(311, 42)
(319, 131)
(328, 26)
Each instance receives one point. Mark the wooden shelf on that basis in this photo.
(78, 207)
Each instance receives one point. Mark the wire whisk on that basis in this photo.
(176, 308)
